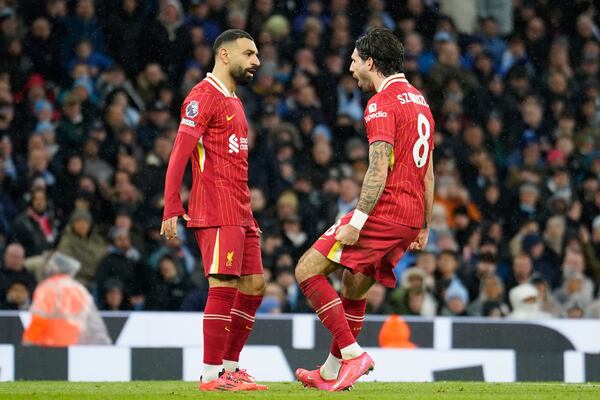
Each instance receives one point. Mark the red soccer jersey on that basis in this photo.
(213, 130)
(398, 114)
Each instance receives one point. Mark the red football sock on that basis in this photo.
(242, 320)
(216, 323)
(355, 314)
(328, 306)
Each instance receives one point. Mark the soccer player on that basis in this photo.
(392, 214)
(213, 132)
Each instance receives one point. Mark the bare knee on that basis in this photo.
(313, 263)
(355, 286)
(302, 271)
(252, 284)
(218, 280)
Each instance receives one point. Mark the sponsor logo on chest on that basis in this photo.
(378, 114)
(237, 144)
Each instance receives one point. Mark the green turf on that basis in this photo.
(187, 390)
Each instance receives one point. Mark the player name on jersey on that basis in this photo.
(399, 114)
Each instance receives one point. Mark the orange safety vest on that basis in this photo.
(57, 313)
(395, 332)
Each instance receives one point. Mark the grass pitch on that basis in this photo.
(187, 390)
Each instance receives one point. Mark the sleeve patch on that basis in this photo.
(191, 111)
(188, 122)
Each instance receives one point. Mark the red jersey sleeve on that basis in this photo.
(182, 150)
(196, 113)
(380, 120)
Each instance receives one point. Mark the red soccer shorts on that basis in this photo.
(230, 250)
(380, 246)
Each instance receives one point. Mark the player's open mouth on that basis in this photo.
(251, 71)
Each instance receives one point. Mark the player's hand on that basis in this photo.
(420, 241)
(168, 228)
(347, 235)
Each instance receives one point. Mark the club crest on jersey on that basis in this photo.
(191, 111)
(372, 107)
(229, 262)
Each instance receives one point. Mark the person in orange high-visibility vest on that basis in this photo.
(395, 332)
(63, 312)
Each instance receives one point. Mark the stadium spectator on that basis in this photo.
(456, 299)
(13, 269)
(82, 25)
(36, 228)
(123, 262)
(114, 297)
(524, 302)
(125, 35)
(170, 288)
(167, 40)
(18, 296)
(522, 270)
(376, 300)
(413, 297)
(81, 241)
(492, 290)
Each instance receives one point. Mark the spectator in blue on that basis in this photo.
(199, 16)
(378, 7)
(514, 54)
(177, 251)
(86, 54)
(349, 99)
(314, 8)
(83, 24)
(492, 42)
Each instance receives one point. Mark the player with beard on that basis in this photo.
(392, 215)
(213, 132)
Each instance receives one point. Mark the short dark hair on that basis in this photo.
(384, 48)
(230, 35)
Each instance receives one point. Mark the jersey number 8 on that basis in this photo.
(421, 147)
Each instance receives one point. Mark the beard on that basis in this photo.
(243, 76)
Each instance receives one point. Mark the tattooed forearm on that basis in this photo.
(374, 182)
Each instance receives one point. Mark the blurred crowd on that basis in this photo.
(89, 106)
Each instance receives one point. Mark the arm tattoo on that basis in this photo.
(374, 182)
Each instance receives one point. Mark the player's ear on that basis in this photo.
(224, 55)
(370, 63)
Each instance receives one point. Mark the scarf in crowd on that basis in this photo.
(44, 224)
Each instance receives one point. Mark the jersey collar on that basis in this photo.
(391, 79)
(220, 86)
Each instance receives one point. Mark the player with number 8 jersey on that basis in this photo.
(392, 214)
(399, 115)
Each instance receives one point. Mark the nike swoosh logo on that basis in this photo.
(229, 118)
(227, 329)
(310, 378)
